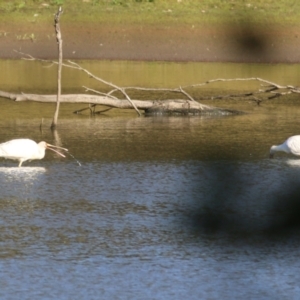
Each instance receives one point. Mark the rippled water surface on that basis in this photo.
(160, 208)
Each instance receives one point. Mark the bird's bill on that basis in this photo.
(50, 147)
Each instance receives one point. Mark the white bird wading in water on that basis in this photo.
(291, 145)
(26, 149)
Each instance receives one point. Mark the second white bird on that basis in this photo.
(291, 145)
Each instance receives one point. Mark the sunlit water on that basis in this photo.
(160, 208)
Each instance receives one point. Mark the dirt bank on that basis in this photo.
(268, 43)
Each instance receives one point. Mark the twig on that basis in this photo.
(185, 93)
(238, 79)
(100, 93)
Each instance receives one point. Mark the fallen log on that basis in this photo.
(150, 107)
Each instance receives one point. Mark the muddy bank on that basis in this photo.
(270, 44)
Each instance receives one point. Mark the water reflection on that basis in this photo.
(294, 162)
(27, 172)
(140, 74)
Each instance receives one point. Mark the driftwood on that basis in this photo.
(171, 106)
(269, 89)
(188, 106)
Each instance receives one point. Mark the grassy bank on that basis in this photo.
(281, 12)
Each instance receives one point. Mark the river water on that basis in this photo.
(158, 208)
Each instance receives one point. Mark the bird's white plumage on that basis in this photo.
(291, 145)
(25, 149)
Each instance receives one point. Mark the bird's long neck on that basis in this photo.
(41, 149)
(41, 153)
(278, 148)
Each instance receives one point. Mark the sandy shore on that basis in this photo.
(270, 44)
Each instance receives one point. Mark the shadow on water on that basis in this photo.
(249, 203)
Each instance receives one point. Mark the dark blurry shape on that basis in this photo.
(250, 40)
(285, 213)
(227, 211)
(218, 215)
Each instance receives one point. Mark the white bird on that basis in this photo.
(26, 149)
(291, 145)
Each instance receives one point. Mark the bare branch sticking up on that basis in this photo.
(60, 56)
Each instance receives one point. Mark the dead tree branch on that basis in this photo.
(59, 68)
(122, 90)
(270, 87)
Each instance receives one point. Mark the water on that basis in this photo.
(160, 208)
(42, 76)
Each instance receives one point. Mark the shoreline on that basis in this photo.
(176, 43)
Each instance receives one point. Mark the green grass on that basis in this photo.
(155, 11)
